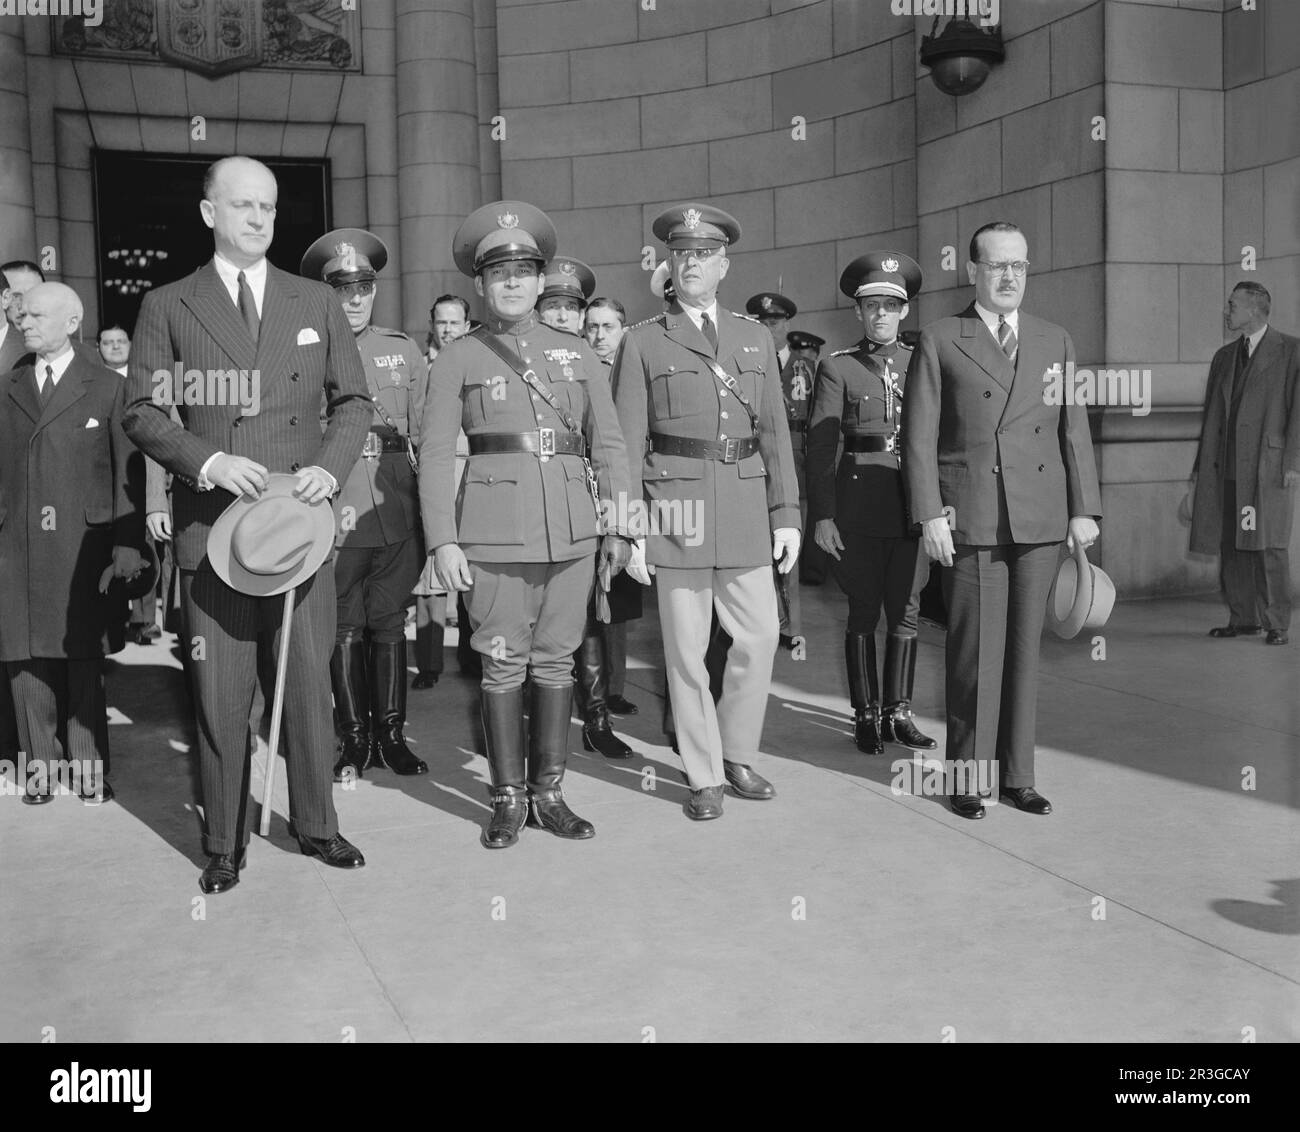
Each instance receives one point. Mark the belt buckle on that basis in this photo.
(373, 446)
(731, 451)
(546, 442)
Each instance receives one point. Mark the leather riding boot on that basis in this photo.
(864, 691)
(503, 728)
(351, 707)
(900, 670)
(592, 689)
(388, 708)
(548, 751)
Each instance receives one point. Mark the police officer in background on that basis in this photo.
(859, 514)
(379, 551)
(523, 534)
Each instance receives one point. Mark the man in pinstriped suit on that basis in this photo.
(288, 340)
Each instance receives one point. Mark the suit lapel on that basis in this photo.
(22, 392)
(1030, 365)
(71, 388)
(281, 318)
(978, 344)
(216, 312)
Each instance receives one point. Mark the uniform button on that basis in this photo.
(722, 436)
(1041, 467)
(664, 473)
(536, 398)
(489, 479)
(671, 369)
(987, 393)
(528, 361)
(724, 416)
(293, 377)
(722, 392)
(293, 420)
(522, 343)
(294, 466)
(236, 424)
(1038, 428)
(996, 470)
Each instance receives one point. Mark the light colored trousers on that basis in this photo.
(746, 604)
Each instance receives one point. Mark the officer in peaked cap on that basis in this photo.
(807, 344)
(379, 547)
(699, 396)
(813, 560)
(859, 513)
(523, 535)
(567, 287)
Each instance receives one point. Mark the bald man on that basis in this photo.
(69, 528)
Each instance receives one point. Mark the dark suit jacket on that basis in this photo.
(663, 382)
(305, 350)
(64, 505)
(13, 350)
(980, 436)
(1268, 445)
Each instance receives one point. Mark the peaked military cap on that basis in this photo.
(502, 231)
(802, 340)
(345, 255)
(570, 278)
(768, 304)
(696, 226)
(882, 273)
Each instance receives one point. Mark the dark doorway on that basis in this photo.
(149, 231)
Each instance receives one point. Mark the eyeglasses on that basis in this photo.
(890, 306)
(1018, 266)
(349, 291)
(701, 254)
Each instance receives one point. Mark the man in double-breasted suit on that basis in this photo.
(1248, 462)
(67, 526)
(698, 392)
(997, 473)
(251, 348)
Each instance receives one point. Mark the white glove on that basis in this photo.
(785, 548)
(637, 566)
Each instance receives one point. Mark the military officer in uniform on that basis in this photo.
(379, 553)
(699, 396)
(567, 286)
(523, 534)
(859, 513)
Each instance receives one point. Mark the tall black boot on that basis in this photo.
(388, 707)
(900, 671)
(548, 751)
(864, 691)
(503, 728)
(592, 689)
(351, 707)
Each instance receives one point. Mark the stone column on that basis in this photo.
(437, 146)
(17, 216)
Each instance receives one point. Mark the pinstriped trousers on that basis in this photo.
(224, 673)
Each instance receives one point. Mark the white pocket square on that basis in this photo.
(306, 336)
(92, 423)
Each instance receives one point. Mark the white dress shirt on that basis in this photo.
(991, 321)
(256, 276)
(695, 314)
(1252, 340)
(59, 363)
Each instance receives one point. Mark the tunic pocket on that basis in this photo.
(490, 509)
(675, 394)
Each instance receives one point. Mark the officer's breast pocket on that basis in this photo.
(484, 399)
(752, 376)
(676, 394)
(491, 509)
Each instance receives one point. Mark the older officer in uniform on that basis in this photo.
(379, 551)
(523, 535)
(859, 515)
(699, 396)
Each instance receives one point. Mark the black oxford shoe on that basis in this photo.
(1275, 637)
(221, 873)
(104, 793)
(424, 680)
(604, 740)
(1235, 631)
(336, 851)
(967, 806)
(746, 783)
(705, 805)
(36, 799)
(620, 706)
(1026, 798)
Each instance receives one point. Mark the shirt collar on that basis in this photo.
(59, 362)
(256, 275)
(1254, 338)
(991, 319)
(695, 314)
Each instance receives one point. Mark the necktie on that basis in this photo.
(1006, 336)
(710, 331)
(248, 308)
(47, 390)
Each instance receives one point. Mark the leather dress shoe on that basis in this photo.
(1026, 798)
(1235, 631)
(706, 804)
(104, 793)
(221, 873)
(36, 799)
(746, 783)
(1275, 637)
(967, 806)
(603, 739)
(424, 680)
(620, 706)
(336, 851)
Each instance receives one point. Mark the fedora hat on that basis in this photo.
(1081, 597)
(268, 545)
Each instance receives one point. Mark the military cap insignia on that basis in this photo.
(568, 269)
(344, 248)
(507, 220)
(889, 264)
(691, 218)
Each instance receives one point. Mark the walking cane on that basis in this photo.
(277, 710)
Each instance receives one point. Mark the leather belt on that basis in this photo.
(868, 444)
(378, 442)
(724, 451)
(543, 442)
(797, 426)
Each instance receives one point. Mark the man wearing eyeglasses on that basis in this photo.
(379, 554)
(997, 477)
(698, 391)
